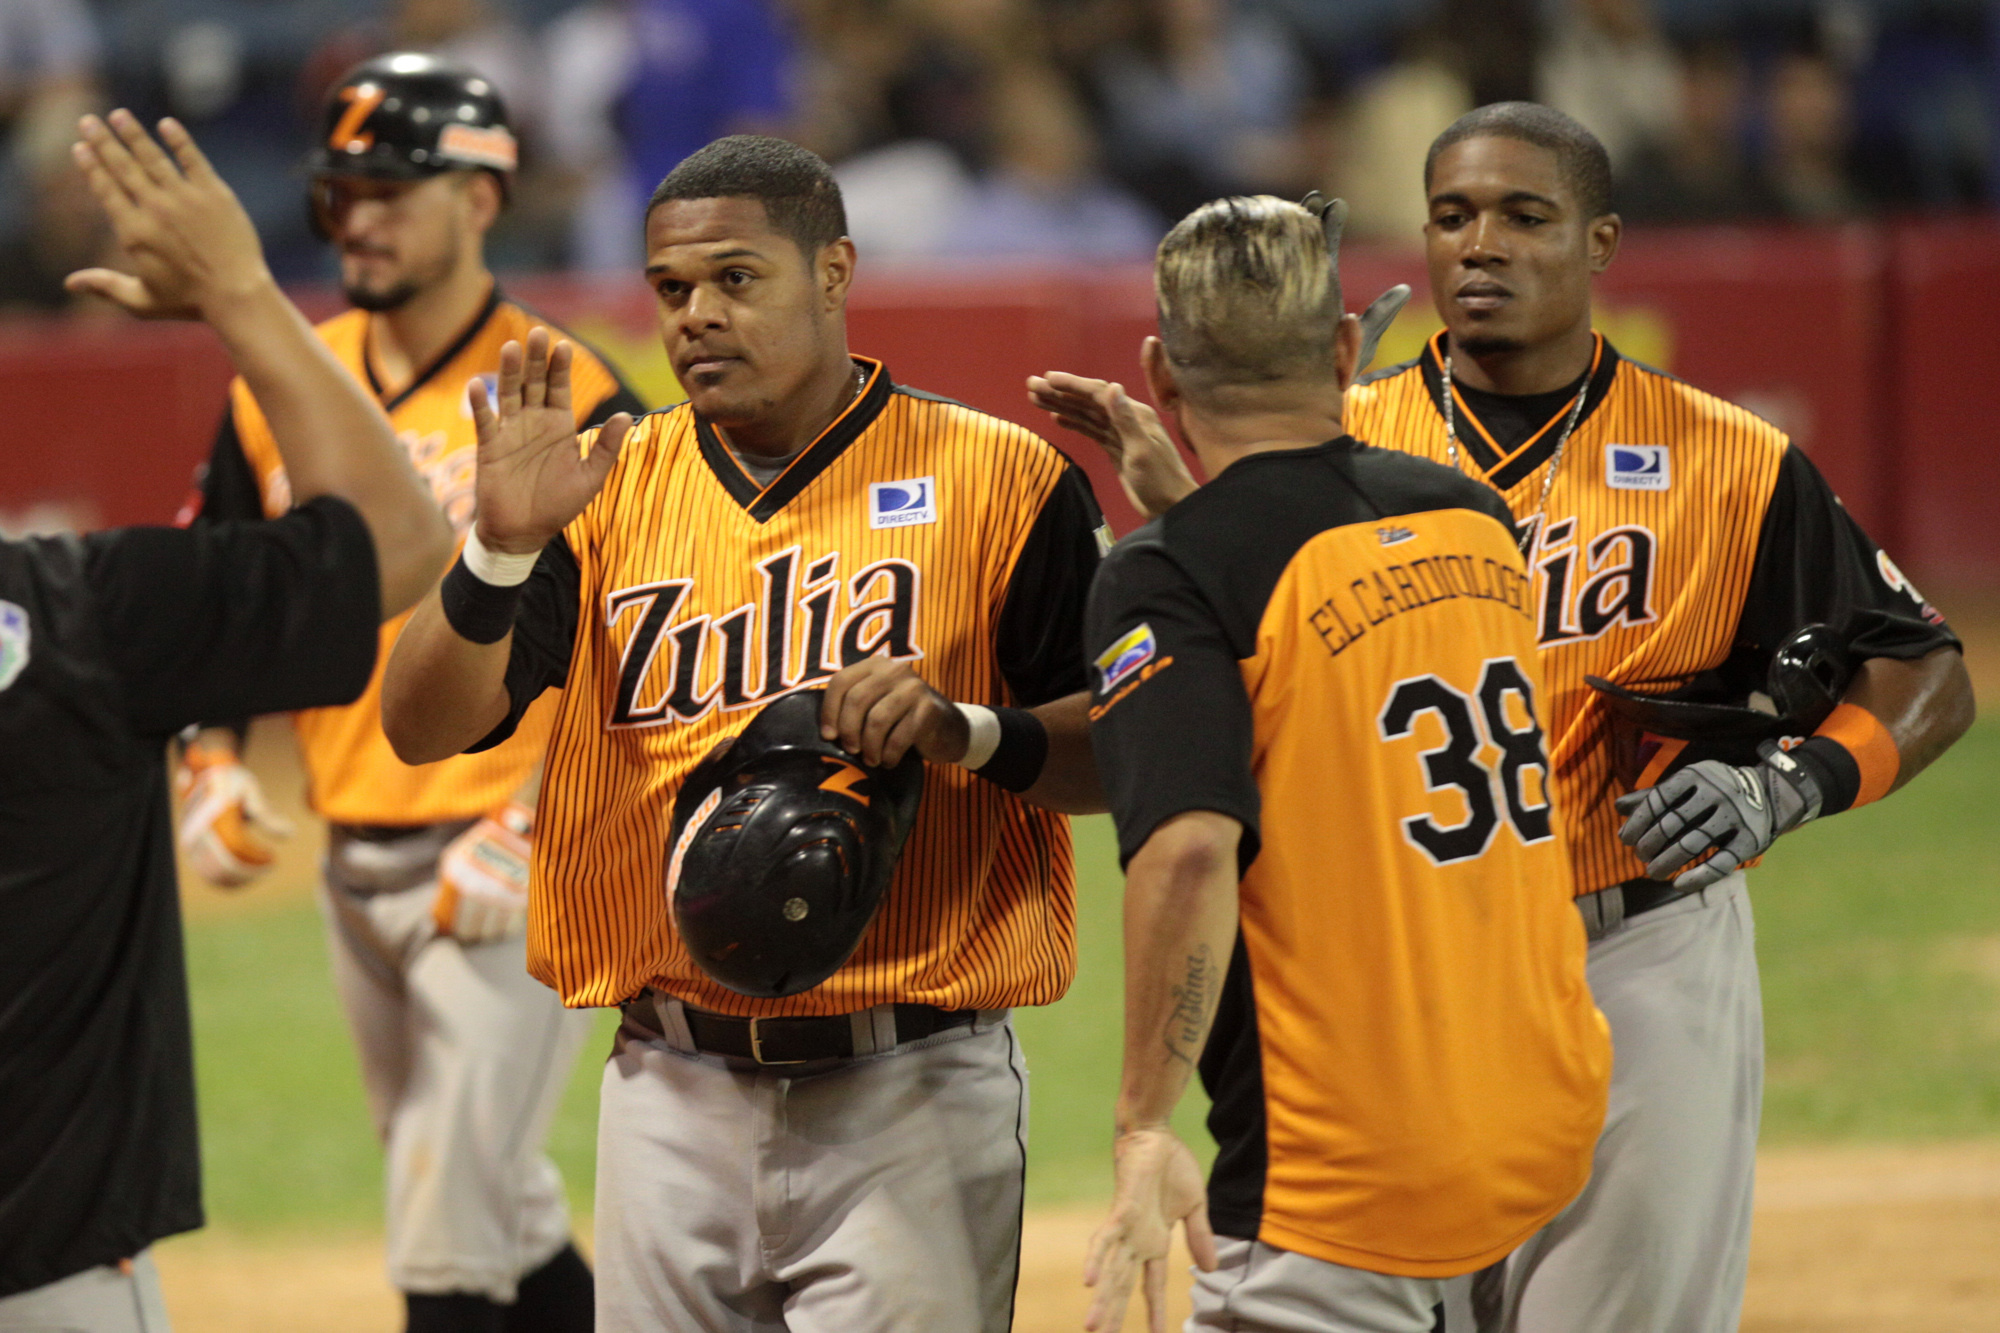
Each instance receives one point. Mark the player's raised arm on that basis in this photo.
(446, 685)
(195, 255)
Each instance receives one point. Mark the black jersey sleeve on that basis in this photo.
(621, 399)
(1040, 638)
(1816, 566)
(227, 482)
(230, 619)
(1170, 718)
(544, 636)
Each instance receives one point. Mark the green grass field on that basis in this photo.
(1879, 933)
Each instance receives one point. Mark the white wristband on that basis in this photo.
(496, 567)
(985, 739)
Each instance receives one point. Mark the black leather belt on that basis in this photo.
(1607, 909)
(792, 1041)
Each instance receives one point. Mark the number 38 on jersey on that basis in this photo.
(1478, 745)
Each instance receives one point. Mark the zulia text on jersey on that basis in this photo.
(676, 663)
(1587, 587)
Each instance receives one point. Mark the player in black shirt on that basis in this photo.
(111, 643)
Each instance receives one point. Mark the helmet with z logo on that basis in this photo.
(782, 847)
(405, 116)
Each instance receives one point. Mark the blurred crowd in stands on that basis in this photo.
(1031, 129)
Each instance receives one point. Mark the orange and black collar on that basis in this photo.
(1503, 465)
(763, 502)
(438, 362)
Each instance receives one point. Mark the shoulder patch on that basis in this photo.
(1131, 651)
(902, 504)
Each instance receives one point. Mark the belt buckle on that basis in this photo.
(757, 1047)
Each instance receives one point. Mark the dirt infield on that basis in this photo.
(1849, 1240)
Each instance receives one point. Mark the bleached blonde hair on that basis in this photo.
(1249, 292)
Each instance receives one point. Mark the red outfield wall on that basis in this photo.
(1875, 346)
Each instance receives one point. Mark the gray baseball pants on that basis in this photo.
(1258, 1288)
(1659, 1240)
(116, 1298)
(882, 1195)
(464, 1056)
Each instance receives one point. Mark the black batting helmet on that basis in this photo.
(1655, 734)
(408, 115)
(783, 844)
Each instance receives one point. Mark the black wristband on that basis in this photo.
(1022, 753)
(476, 610)
(1833, 768)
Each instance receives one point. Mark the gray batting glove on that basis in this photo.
(1736, 812)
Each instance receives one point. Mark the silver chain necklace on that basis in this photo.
(1534, 521)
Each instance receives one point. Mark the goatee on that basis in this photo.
(376, 301)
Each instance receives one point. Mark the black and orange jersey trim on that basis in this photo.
(1335, 647)
(686, 597)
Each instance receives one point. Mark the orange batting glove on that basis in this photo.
(227, 832)
(483, 878)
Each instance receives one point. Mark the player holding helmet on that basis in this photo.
(463, 1054)
(848, 1157)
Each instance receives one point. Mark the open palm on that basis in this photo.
(534, 476)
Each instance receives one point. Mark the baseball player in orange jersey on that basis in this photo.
(1676, 541)
(1352, 871)
(849, 1158)
(463, 1053)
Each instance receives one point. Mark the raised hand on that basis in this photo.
(1158, 1184)
(191, 245)
(1149, 467)
(533, 474)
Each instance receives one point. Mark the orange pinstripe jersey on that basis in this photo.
(355, 776)
(1641, 562)
(1336, 647)
(687, 596)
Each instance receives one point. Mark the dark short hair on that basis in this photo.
(1580, 159)
(797, 189)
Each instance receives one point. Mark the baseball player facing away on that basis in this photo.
(1348, 898)
(849, 1158)
(109, 644)
(1673, 538)
(463, 1054)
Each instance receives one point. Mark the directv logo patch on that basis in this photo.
(900, 504)
(1637, 467)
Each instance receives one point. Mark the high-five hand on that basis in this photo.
(533, 474)
(1158, 1185)
(1149, 467)
(191, 245)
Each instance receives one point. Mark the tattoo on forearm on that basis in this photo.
(1194, 998)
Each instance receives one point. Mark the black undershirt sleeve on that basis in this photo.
(1171, 720)
(544, 636)
(1040, 638)
(1815, 566)
(230, 619)
(621, 400)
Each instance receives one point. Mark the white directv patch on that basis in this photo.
(13, 643)
(1637, 467)
(901, 504)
